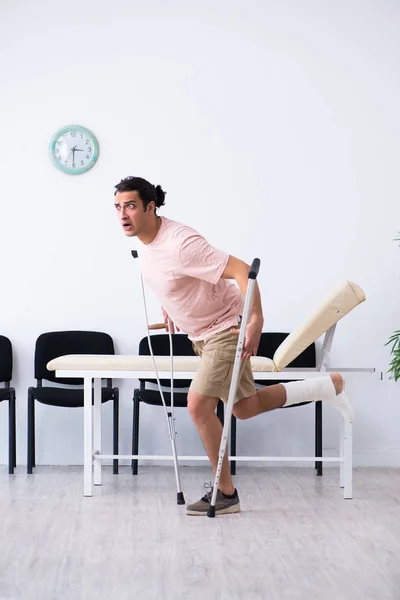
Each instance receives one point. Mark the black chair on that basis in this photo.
(59, 343)
(181, 346)
(8, 393)
(269, 342)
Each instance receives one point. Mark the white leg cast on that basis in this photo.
(97, 429)
(88, 439)
(348, 460)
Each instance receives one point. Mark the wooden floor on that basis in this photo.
(296, 537)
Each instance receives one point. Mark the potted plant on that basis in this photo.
(394, 367)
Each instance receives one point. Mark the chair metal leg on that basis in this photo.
(318, 436)
(34, 435)
(220, 412)
(31, 429)
(15, 435)
(221, 417)
(12, 461)
(135, 431)
(116, 429)
(233, 444)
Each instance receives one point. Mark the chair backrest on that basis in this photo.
(181, 346)
(59, 343)
(6, 359)
(270, 342)
(336, 305)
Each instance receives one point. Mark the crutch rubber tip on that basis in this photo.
(211, 511)
(180, 498)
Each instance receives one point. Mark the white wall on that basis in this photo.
(273, 126)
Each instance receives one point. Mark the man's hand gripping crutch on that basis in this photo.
(253, 272)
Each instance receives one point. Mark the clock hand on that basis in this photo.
(72, 150)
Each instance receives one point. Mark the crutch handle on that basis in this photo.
(255, 267)
(158, 326)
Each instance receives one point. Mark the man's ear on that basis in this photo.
(152, 207)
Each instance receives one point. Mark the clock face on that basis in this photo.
(74, 149)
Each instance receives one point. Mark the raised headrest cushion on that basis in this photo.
(340, 301)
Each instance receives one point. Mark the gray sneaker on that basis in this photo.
(223, 505)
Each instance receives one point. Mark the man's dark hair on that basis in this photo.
(146, 190)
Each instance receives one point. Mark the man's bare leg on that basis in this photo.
(202, 410)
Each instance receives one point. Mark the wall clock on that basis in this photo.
(74, 149)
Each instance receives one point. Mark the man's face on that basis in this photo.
(130, 210)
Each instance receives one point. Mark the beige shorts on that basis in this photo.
(213, 377)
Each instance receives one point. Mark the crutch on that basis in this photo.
(169, 413)
(255, 266)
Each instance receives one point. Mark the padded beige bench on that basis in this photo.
(92, 368)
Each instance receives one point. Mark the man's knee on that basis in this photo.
(244, 409)
(200, 407)
(239, 411)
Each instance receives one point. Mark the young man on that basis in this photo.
(191, 278)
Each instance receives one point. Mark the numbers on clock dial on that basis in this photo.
(74, 149)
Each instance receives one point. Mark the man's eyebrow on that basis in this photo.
(126, 202)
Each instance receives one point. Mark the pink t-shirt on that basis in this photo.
(184, 271)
